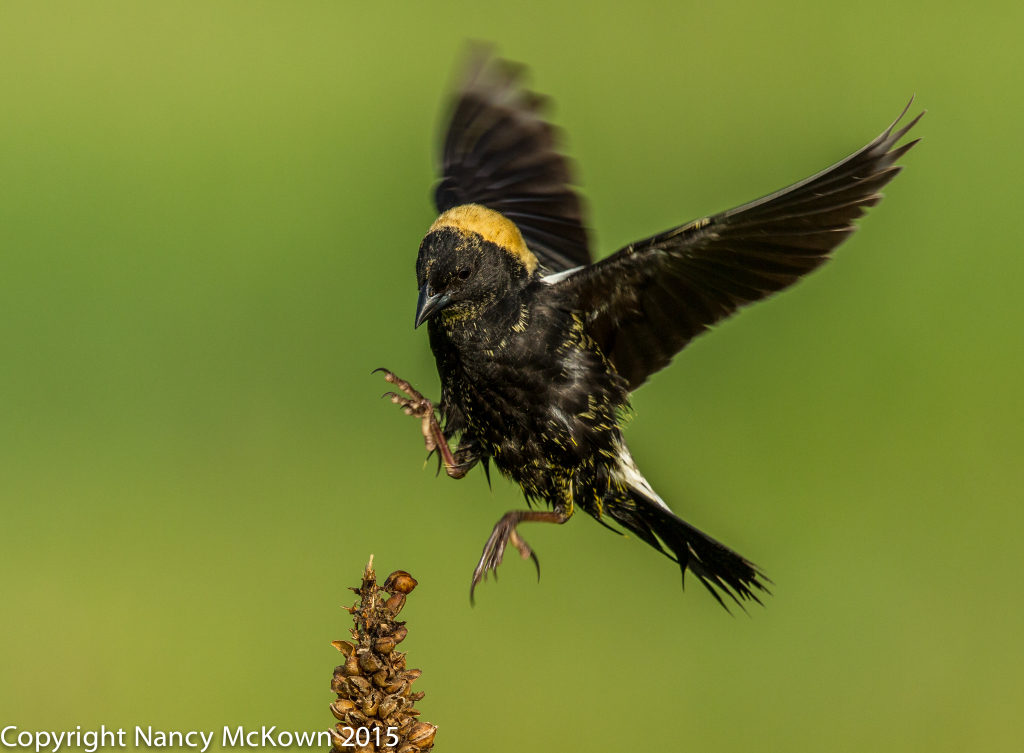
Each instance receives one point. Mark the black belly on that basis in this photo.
(543, 403)
(539, 433)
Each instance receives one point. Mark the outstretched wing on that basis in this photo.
(500, 152)
(648, 300)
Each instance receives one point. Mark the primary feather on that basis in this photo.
(500, 153)
(645, 302)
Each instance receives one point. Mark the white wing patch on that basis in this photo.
(559, 276)
(630, 474)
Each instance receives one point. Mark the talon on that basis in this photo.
(494, 549)
(504, 533)
(418, 406)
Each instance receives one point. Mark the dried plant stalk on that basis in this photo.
(376, 706)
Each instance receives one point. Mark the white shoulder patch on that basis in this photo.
(559, 276)
(631, 476)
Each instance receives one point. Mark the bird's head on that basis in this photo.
(470, 258)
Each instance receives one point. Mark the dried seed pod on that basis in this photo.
(352, 666)
(338, 743)
(358, 686)
(369, 663)
(387, 706)
(422, 735)
(416, 696)
(341, 707)
(344, 647)
(357, 719)
(380, 679)
(370, 705)
(399, 582)
(400, 633)
(395, 604)
(339, 684)
(385, 645)
(408, 749)
(396, 687)
(411, 675)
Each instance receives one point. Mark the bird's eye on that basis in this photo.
(464, 273)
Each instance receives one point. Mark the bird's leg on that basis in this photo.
(504, 533)
(418, 406)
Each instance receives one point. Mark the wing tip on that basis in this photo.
(889, 138)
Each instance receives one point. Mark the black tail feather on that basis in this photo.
(715, 565)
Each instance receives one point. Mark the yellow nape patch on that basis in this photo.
(491, 226)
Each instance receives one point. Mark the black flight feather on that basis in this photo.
(647, 301)
(501, 153)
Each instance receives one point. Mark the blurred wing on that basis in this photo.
(500, 152)
(648, 300)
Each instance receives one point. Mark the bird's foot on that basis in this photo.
(414, 405)
(420, 407)
(503, 534)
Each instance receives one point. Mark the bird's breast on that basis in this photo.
(540, 396)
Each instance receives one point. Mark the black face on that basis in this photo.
(461, 273)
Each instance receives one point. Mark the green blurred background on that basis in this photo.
(209, 214)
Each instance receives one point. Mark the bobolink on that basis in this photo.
(538, 348)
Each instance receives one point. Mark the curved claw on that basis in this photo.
(503, 534)
(477, 577)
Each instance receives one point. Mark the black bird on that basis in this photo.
(538, 348)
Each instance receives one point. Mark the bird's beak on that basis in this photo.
(428, 304)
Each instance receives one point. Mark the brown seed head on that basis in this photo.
(373, 685)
